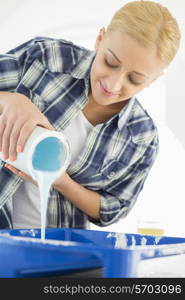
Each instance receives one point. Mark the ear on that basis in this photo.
(99, 38)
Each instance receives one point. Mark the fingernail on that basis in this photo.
(19, 148)
(4, 157)
(12, 158)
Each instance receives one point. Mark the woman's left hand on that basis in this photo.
(20, 173)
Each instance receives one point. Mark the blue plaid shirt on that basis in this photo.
(118, 154)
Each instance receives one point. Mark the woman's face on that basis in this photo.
(121, 68)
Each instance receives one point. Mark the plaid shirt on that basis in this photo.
(118, 154)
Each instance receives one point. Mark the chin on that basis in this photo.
(104, 101)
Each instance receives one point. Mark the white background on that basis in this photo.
(163, 196)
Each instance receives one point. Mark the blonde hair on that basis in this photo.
(150, 24)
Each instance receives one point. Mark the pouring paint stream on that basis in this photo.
(47, 161)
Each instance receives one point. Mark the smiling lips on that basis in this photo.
(105, 92)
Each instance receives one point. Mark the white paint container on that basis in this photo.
(24, 159)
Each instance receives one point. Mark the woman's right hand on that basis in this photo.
(19, 116)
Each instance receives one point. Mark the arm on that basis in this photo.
(116, 199)
(86, 200)
(19, 115)
(107, 206)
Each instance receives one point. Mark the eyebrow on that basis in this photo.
(144, 75)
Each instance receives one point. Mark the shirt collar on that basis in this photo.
(137, 120)
(82, 69)
(125, 113)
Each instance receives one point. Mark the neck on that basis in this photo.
(97, 113)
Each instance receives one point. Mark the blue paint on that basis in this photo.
(48, 155)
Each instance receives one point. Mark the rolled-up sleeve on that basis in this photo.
(117, 200)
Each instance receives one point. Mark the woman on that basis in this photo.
(90, 96)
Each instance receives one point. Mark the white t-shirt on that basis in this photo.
(26, 200)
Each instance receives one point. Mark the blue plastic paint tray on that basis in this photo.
(23, 254)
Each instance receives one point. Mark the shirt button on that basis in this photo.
(112, 174)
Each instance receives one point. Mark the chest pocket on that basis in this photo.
(114, 169)
(42, 82)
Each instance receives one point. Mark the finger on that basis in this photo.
(12, 169)
(13, 141)
(20, 173)
(46, 124)
(27, 177)
(24, 134)
(6, 141)
(2, 128)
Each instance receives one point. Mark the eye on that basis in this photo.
(133, 81)
(110, 65)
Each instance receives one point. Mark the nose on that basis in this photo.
(115, 82)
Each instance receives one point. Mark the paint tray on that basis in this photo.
(72, 251)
